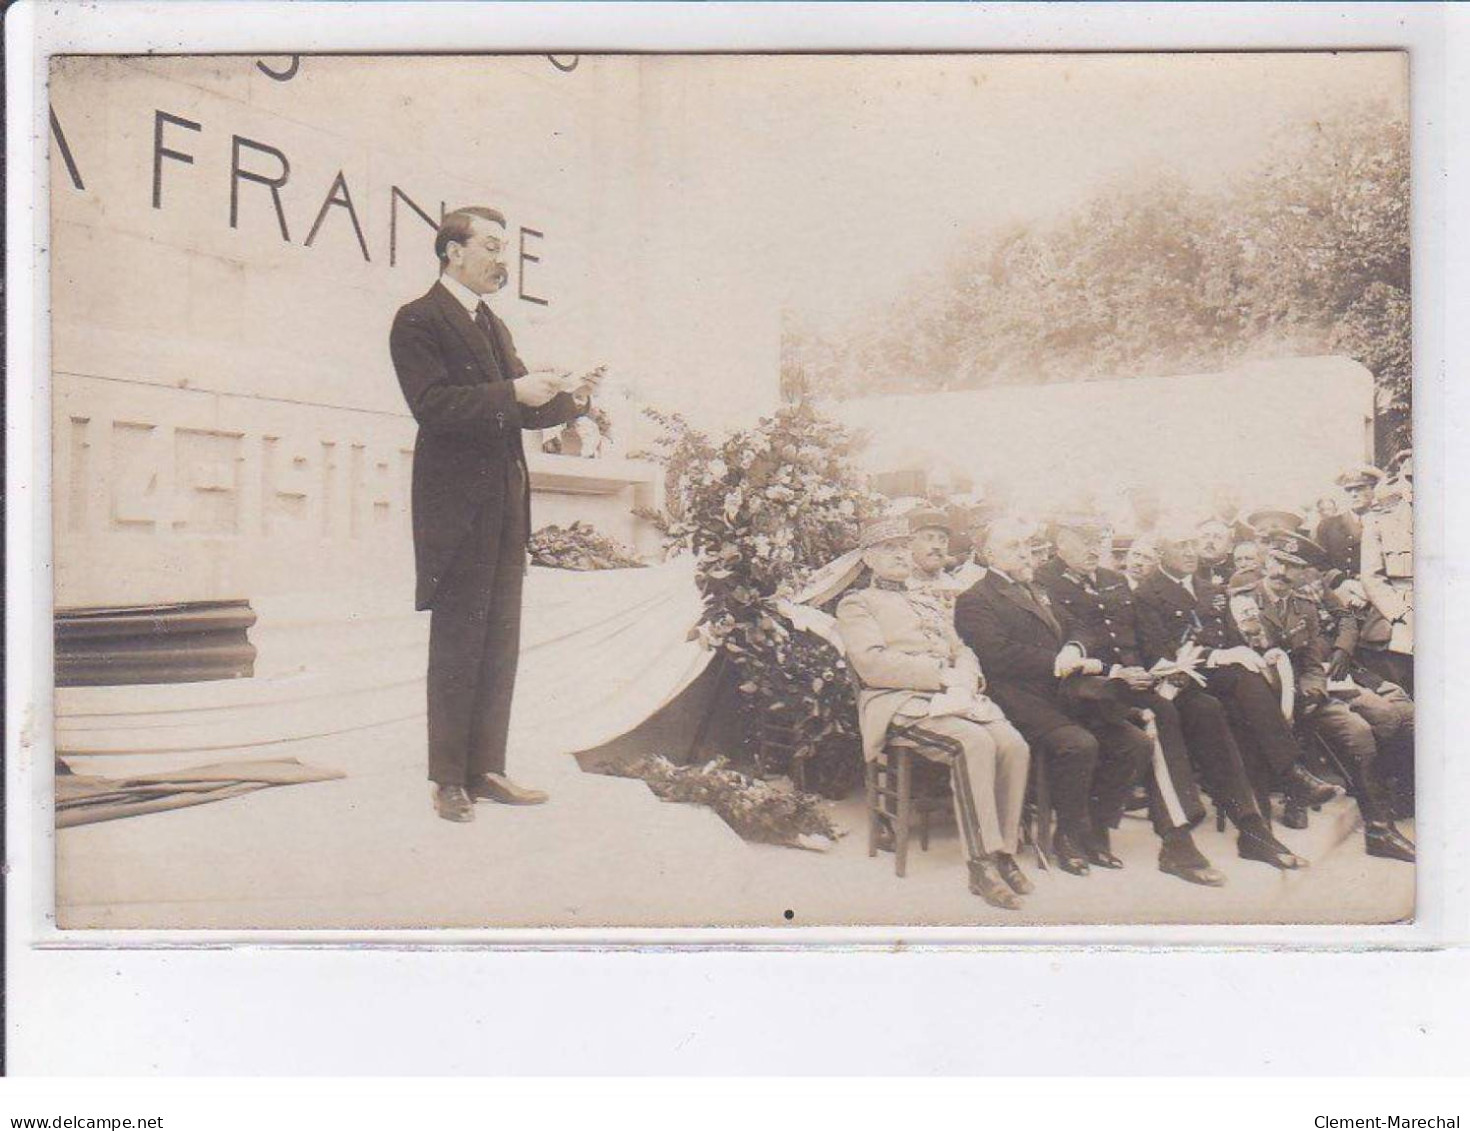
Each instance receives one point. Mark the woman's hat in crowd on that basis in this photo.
(882, 530)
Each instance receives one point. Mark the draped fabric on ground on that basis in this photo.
(84, 799)
(602, 651)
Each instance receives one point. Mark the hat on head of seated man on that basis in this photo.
(1294, 549)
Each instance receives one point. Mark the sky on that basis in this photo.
(852, 174)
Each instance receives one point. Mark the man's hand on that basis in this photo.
(953, 679)
(1337, 667)
(590, 384)
(1136, 678)
(536, 389)
(1313, 697)
(1068, 660)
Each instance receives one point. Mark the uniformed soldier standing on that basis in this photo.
(1387, 571)
(929, 545)
(1290, 622)
(901, 643)
(1341, 535)
(1096, 608)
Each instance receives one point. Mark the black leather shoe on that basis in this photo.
(1306, 788)
(1069, 854)
(1008, 870)
(453, 804)
(985, 883)
(1179, 857)
(498, 787)
(1099, 850)
(1268, 850)
(1294, 815)
(1387, 842)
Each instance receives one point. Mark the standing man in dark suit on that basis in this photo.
(1096, 608)
(1175, 608)
(472, 396)
(1039, 680)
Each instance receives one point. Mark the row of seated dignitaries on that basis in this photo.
(1114, 684)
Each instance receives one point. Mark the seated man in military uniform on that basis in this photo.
(1096, 609)
(919, 680)
(1290, 622)
(1040, 682)
(1176, 609)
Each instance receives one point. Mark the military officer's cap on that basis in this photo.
(1365, 476)
(1295, 549)
(883, 530)
(924, 516)
(1399, 460)
(1243, 580)
(1274, 518)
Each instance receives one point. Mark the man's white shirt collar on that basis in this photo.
(1187, 581)
(467, 298)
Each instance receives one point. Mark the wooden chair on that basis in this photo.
(889, 779)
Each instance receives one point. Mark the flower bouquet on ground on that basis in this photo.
(758, 810)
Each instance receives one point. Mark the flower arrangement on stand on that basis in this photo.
(762, 510)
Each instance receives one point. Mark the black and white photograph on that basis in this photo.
(731, 491)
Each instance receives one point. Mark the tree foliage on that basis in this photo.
(1307, 253)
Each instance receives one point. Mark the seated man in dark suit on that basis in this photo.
(1096, 609)
(1006, 619)
(1176, 608)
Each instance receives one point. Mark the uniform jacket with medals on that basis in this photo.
(1293, 623)
(898, 641)
(1096, 612)
(457, 382)
(1017, 638)
(1169, 616)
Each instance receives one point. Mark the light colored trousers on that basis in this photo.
(988, 763)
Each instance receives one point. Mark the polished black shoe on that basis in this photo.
(1179, 857)
(1069, 854)
(1294, 815)
(498, 787)
(1306, 788)
(985, 883)
(453, 804)
(1099, 849)
(1387, 842)
(1008, 870)
(1266, 849)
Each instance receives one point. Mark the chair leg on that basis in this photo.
(905, 812)
(1043, 810)
(924, 829)
(870, 784)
